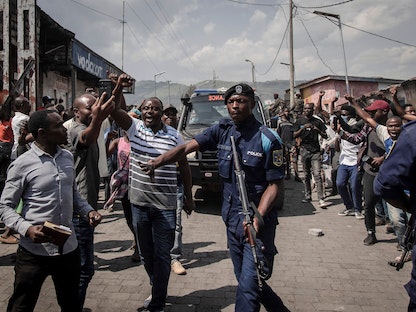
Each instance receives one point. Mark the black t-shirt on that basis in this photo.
(310, 137)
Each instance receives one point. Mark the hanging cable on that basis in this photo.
(316, 48)
(324, 6)
(277, 53)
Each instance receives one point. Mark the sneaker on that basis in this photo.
(147, 301)
(359, 215)
(370, 239)
(177, 267)
(345, 212)
(323, 204)
(306, 200)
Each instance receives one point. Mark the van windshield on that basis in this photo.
(209, 113)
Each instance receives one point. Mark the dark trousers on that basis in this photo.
(85, 237)
(30, 273)
(249, 296)
(370, 200)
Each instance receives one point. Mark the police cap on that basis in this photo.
(241, 89)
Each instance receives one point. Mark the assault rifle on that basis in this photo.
(408, 241)
(249, 231)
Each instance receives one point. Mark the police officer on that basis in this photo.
(261, 153)
(398, 173)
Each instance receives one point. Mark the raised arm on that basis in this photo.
(99, 112)
(360, 112)
(399, 109)
(318, 105)
(119, 113)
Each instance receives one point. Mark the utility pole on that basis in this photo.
(291, 63)
(122, 40)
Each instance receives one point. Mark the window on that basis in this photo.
(26, 29)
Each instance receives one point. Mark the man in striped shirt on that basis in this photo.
(153, 198)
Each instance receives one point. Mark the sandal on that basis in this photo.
(408, 258)
(9, 240)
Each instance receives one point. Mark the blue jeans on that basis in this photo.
(176, 251)
(312, 163)
(85, 236)
(249, 296)
(155, 232)
(349, 187)
(399, 220)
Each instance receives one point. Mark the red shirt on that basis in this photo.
(6, 132)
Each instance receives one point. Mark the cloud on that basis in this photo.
(189, 39)
(209, 28)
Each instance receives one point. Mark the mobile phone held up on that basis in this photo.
(105, 85)
(367, 159)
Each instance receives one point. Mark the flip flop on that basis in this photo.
(9, 240)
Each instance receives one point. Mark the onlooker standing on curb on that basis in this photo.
(154, 199)
(44, 178)
(90, 112)
(308, 128)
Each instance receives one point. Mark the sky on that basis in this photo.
(190, 41)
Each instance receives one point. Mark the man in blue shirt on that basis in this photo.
(261, 154)
(397, 174)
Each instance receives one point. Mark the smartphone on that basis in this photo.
(367, 159)
(335, 122)
(105, 85)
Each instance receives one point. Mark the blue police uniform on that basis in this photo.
(398, 173)
(261, 154)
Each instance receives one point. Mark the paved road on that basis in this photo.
(334, 272)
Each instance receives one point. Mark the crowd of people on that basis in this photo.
(53, 164)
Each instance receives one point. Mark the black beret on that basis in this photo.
(242, 89)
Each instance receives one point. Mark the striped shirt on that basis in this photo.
(159, 192)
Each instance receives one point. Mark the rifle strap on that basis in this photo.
(258, 216)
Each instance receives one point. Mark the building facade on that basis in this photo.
(39, 57)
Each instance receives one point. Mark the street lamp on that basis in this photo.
(169, 81)
(155, 76)
(252, 72)
(338, 17)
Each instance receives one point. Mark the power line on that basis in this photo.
(278, 51)
(257, 4)
(98, 12)
(144, 49)
(383, 37)
(367, 32)
(316, 48)
(153, 34)
(178, 40)
(324, 6)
